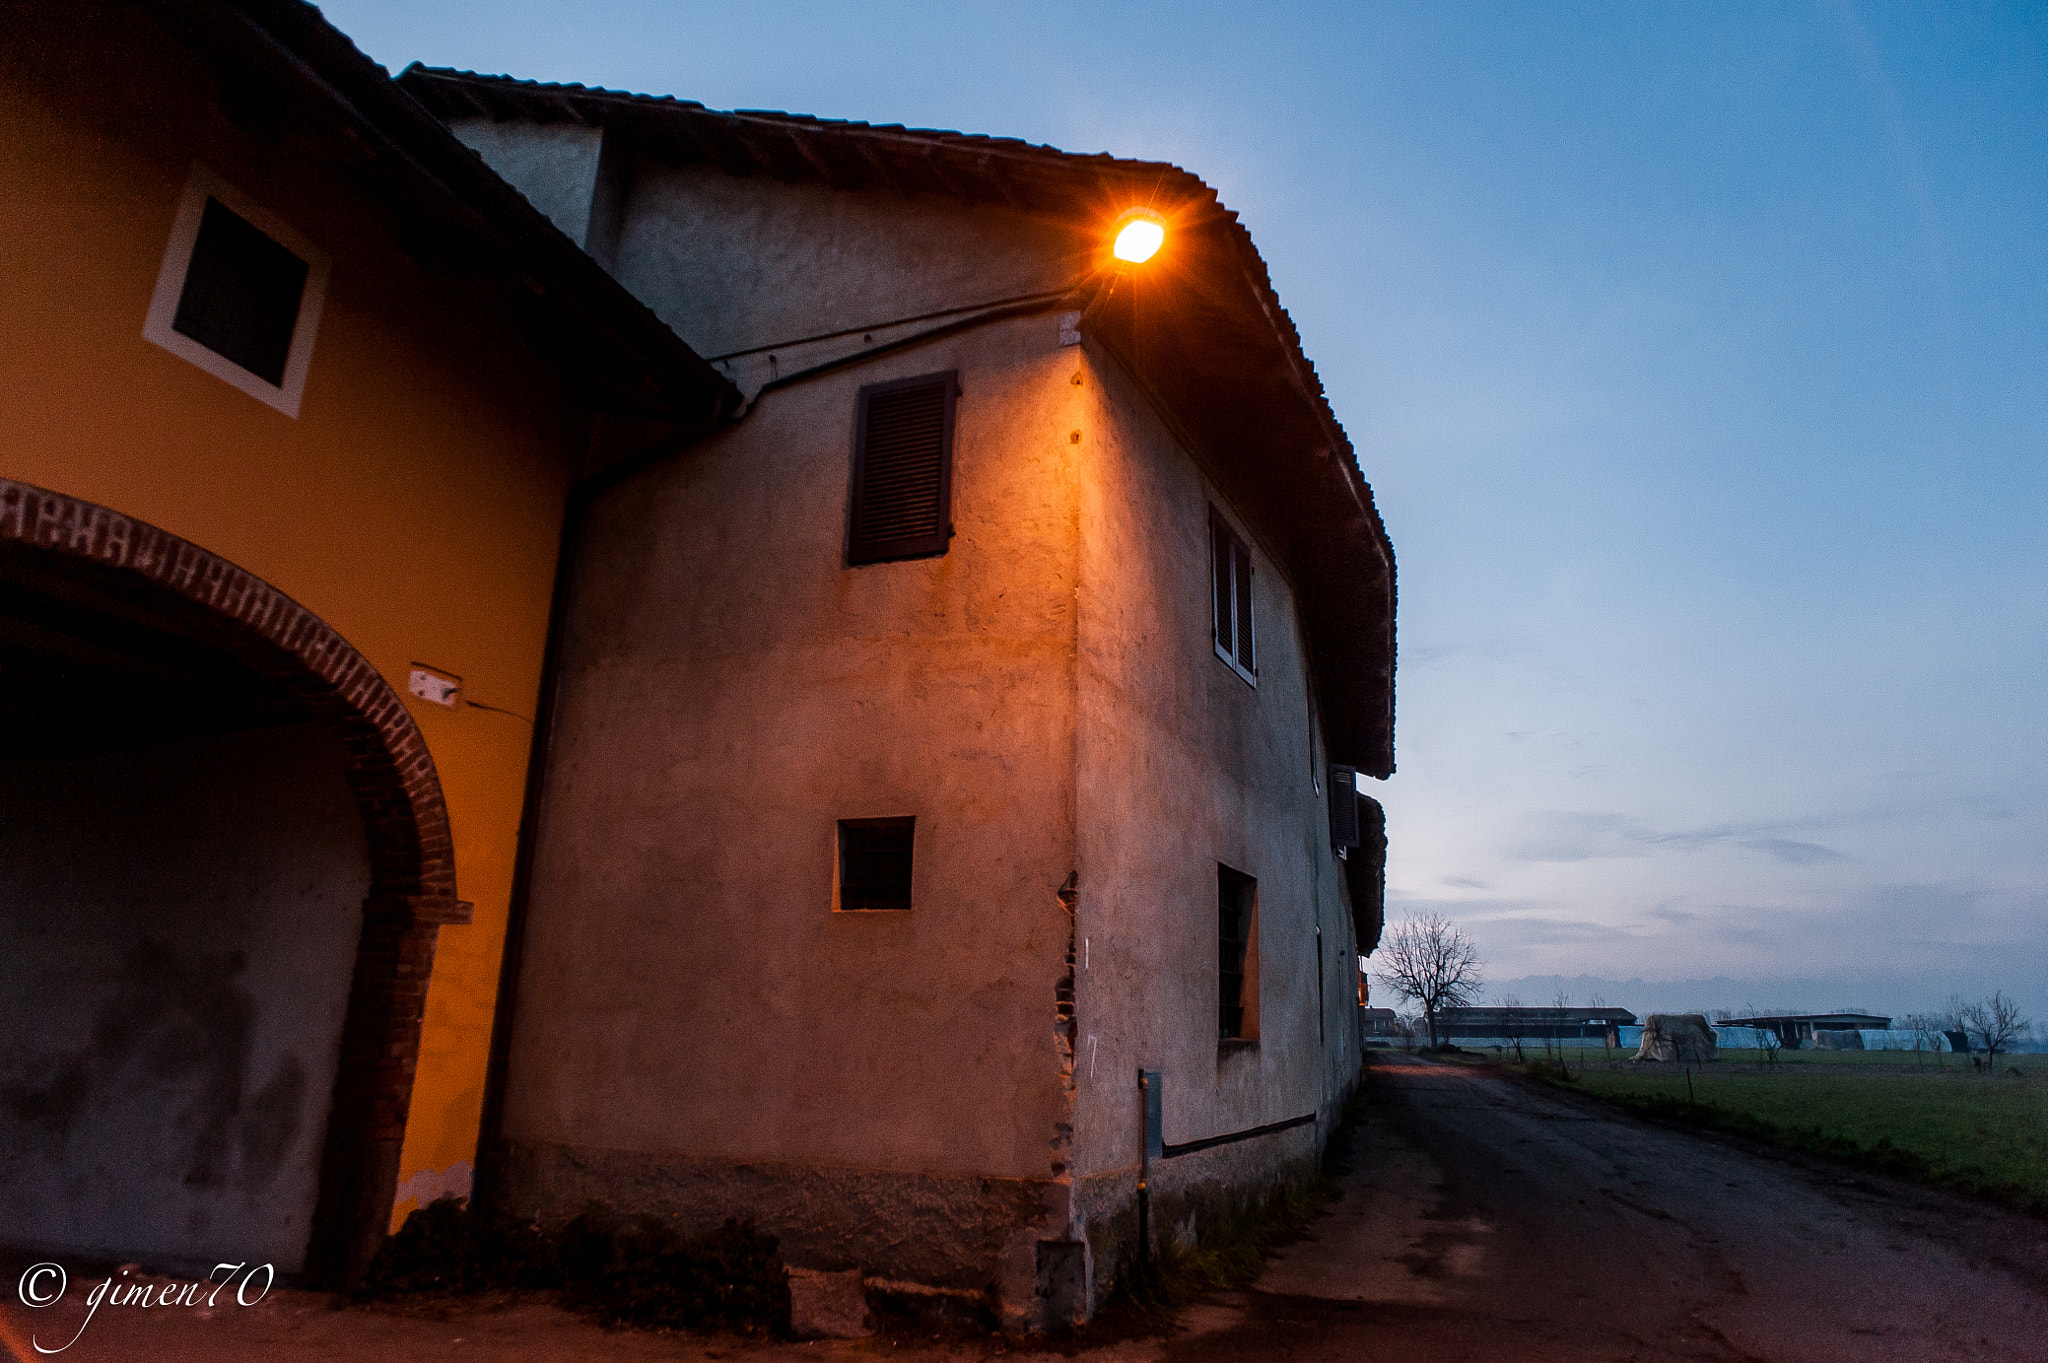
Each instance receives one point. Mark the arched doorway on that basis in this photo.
(226, 859)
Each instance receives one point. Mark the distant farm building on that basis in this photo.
(1796, 1029)
(1533, 1024)
(1381, 1022)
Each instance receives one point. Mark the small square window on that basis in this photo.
(1237, 955)
(242, 293)
(902, 500)
(1230, 577)
(239, 294)
(874, 864)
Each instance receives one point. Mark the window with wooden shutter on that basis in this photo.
(902, 470)
(1230, 579)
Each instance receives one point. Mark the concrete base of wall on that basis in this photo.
(963, 1236)
(1185, 1194)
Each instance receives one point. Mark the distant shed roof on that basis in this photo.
(1825, 1021)
(1621, 1017)
(1219, 351)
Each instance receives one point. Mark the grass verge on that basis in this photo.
(1951, 1129)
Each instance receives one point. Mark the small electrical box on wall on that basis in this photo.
(441, 688)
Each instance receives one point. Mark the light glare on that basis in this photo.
(1139, 240)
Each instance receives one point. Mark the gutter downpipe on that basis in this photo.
(1144, 1169)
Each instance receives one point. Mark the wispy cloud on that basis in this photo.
(1793, 853)
(1585, 835)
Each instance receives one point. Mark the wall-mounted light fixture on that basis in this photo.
(1140, 233)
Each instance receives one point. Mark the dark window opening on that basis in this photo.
(242, 294)
(1230, 575)
(874, 864)
(1344, 827)
(902, 470)
(1237, 967)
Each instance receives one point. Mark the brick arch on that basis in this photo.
(397, 791)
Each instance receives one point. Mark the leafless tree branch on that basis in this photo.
(1433, 962)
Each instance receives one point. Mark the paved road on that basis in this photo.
(1488, 1219)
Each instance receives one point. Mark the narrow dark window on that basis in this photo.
(902, 501)
(1343, 806)
(1230, 578)
(874, 863)
(1237, 974)
(242, 293)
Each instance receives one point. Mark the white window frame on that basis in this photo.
(1219, 564)
(157, 328)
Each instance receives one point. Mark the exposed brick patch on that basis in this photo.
(397, 790)
(1065, 1024)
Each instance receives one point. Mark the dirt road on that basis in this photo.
(1489, 1219)
(1484, 1219)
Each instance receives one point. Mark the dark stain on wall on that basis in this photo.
(180, 1025)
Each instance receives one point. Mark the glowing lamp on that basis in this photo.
(1140, 236)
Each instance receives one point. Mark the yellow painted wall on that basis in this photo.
(415, 502)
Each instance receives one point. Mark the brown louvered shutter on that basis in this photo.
(902, 470)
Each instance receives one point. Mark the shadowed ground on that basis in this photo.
(1484, 1219)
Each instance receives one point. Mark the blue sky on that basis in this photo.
(1699, 358)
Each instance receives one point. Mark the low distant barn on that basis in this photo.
(1796, 1029)
(1380, 1022)
(1533, 1024)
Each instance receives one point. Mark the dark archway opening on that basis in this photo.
(223, 856)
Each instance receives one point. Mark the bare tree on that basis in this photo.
(1926, 1031)
(1996, 1022)
(1514, 1033)
(1433, 962)
(1553, 1044)
(1953, 1024)
(1767, 1039)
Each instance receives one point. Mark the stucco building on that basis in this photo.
(452, 722)
(959, 731)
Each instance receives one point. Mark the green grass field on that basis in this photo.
(1937, 1122)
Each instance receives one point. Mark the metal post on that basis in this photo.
(1144, 1170)
(1153, 1146)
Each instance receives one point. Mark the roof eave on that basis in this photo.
(308, 69)
(1337, 548)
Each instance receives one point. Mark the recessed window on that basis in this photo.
(1237, 955)
(874, 864)
(239, 294)
(242, 293)
(1343, 807)
(902, 501)
(1230, 578)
